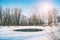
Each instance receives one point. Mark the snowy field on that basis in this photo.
(48, 33)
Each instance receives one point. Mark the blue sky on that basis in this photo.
(25, 4)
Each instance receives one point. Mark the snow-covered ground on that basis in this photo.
(48, 33)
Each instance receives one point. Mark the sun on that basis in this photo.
(46, 6)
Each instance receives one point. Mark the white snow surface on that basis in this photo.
(48, 33)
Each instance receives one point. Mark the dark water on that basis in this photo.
(28, 30)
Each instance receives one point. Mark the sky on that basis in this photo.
(25, 5)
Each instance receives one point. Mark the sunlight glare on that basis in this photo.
(46, 6)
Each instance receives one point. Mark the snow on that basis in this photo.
(48, 33)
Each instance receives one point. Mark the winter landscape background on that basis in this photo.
(29, 19)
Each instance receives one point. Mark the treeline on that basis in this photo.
(9, 17)
(14, 17)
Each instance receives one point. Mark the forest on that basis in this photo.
(14, 17)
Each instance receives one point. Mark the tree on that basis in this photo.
(0, 15)
(55, 12)
(23, 20)
(6, 19)
(36, 17)
(52, 16)
(17, 13)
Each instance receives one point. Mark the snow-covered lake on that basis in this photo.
(48, 33)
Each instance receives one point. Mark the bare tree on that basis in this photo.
(17, 13)
(0, 15)
(23, 20)
(6, 18)
(37, 17)
(34, 17)
(52, 16)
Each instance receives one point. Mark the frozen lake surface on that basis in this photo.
(47, 33)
